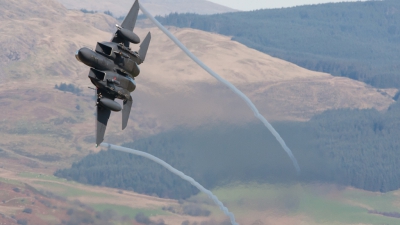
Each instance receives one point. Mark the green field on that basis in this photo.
(128, 211)
(9, 181)
(42, 176)
(56, 185)
(68, 191)
(324, 204)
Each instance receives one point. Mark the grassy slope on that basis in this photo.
(99, 199)
(293, 204)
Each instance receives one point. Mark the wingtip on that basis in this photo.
(98, 143)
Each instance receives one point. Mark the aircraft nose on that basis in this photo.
(77, 56)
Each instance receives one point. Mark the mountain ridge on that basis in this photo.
(156, 7)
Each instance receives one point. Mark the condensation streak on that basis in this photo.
(177, 172)
(228, 84)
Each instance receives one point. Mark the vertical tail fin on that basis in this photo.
(130, 19)
(144, 47)
(128, 24)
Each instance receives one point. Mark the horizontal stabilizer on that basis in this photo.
(144, 47)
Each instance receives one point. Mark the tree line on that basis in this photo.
(349, 147)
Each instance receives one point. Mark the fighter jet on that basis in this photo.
(114, 67)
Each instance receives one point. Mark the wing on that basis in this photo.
(103, 114)
(128, 23)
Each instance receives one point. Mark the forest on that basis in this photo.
(359, 40)
(347, 147)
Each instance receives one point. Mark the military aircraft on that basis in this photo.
(114, 67)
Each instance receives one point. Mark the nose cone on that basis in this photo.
(83, 55)
(77, 56)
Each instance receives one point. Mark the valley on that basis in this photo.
(43, 129)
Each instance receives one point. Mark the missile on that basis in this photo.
(110, 104)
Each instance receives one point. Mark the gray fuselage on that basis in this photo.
(118, 65)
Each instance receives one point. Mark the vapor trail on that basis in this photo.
(229, 85)
(177, 172)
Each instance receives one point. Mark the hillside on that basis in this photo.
(156, 7)
(43, 123)
(43, 129)
(359, 40)
(36, 198)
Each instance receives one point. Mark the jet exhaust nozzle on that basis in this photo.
(110, 104)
